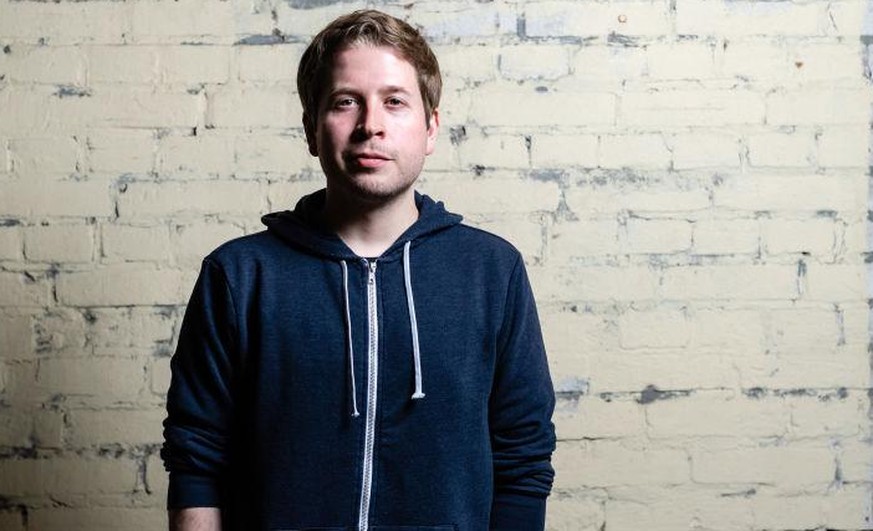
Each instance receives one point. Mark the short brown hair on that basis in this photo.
(373, 28)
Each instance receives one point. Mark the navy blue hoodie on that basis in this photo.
(315, 389)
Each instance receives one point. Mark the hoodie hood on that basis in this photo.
(303, 228)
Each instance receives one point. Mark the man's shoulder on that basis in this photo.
(245, 247)
(484, 241)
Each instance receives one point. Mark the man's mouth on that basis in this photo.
(369, 159)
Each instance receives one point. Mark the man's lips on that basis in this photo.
(369, 159)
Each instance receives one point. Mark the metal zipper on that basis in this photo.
(372, 381)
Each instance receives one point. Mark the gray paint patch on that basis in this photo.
(652, 393)
(68, 91)
(260, 40)
(312, 4)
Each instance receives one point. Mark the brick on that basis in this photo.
(190, 243)
(597, 65)
(755, 60)
(67, 475)
(131, 327)
(157, 479)
(12, 520)
(305, 23)
(494, 151)
(468, 63)
(575, 514)
(61, 331)
(197, 156)
(785, 150)
(745, 17)
(254, 107)
(682, 509)
(681, 60)
(272, 154)
(115, 426)
(59, 243)
(691, 108)
(23, 111)
(705, 149)
(48, 428)
(817, 236)
(284, 195)
(608, 463)
(192, 65)
(122, 285)
(160, 22)
(490, 108)
(717, 414)
(729, 282)
(105, 378)
(11, 243)
(62, 65)
(65, 23)
(571, 336)
(833, 417)
(15, 427)
(817, 61)
(726, 236)
(23, 290)
(831, 371)
(579, 239)
(816, 106)
(594, 418)
(521, 231)
(618, 197)
(274, 63)
(147, 199)
(135, 243)
(649, 236)
(850, 18)
(593, 283)
(728, 331)
(521, 62)
(788, 466)
(843, 508)
(636, 151)
(791, 193)
(98, 519)
(855, 460)
(160, 376)
(496, 195)
(834, 283)
(556, 19)
(44, 156)
(651, 329)
(114, 151)
(844, 147)
(560, 151)
(16, 336)
(123, 64)
(137, 107)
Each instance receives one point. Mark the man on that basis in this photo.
(367, 362)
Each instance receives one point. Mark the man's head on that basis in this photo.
(365, 28)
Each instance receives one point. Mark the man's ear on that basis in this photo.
(309, 129)
(433, 128)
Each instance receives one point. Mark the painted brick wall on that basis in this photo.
(687, 179)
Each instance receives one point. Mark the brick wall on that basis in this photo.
(687, 179)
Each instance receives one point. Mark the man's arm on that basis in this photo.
(195, 519)
(520, 412)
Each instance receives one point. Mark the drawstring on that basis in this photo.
(351, 351)
(413, 323)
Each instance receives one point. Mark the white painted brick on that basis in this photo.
(59, 243)
(831, 417)
(763, 59)
(842, 508)
(657, 235)
(155, 21)
(692, 108)
(63, 65)
(194, 64)
(817, 236)
(44, 156)
(122, 64)
(850, 18)
(838, 282)
(844, 147)
(23, 111)
(284, 195)
(593, 417)
(574, 514)
(745, 17)
(12, 521)
(55, 198)
(491, 107)
(131, 326)
(796, 371)
(157, 479)
(453, 20)
(649, 329)
(16, 427)
(683, 509)
(609, 64)
(578, 239)
(148, 199)
(48, 428)
(592, 283)
(159, 376)
(555, 19)
(65, 23)
(23, 290)
(115, 426)
(818, 61)
(571, 336)
(785, 150)
(67, 475)
(855, 461)
(133, 243)
(534, 61)
(63, 332)
(726, 236)
(524, 233)
(115, 151)
(11, 243)
(274, 63)
(16, 336)
(633, 151)
(496, 195)
(730, 282)
(786, 466)
(196, 156)
(468, 63)
(558, 151)
(116, 106)
(102, 377)
(305, 23)
(98, 518)
(122, 285)
(494, 152)
(717, 414)
(818, 106)
(735, 332)
(588, 200)
(190, 243)
(271, 153)
(792, 193)
(255, 107)
(607, 463)
(682, 60)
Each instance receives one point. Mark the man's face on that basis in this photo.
(371, 134)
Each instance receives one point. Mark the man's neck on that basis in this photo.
(370, 229)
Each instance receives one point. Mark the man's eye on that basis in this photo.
(394, 102)
(344, 102)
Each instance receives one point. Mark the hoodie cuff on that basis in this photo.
(190, 490)
(517, 512)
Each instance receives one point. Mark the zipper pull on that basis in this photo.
(372, 267)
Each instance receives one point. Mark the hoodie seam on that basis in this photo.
(227, 288)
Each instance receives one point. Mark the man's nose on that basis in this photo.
(371, 121)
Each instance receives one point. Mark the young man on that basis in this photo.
(367, 362)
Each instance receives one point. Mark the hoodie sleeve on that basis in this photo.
(521, 405)
(199, 401)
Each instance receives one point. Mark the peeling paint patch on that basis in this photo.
(7, 49)
(260, 40)
(67, 91)
(622, 40)
(457, 134)
(740, 494)
(652, 393)
(9, 222)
